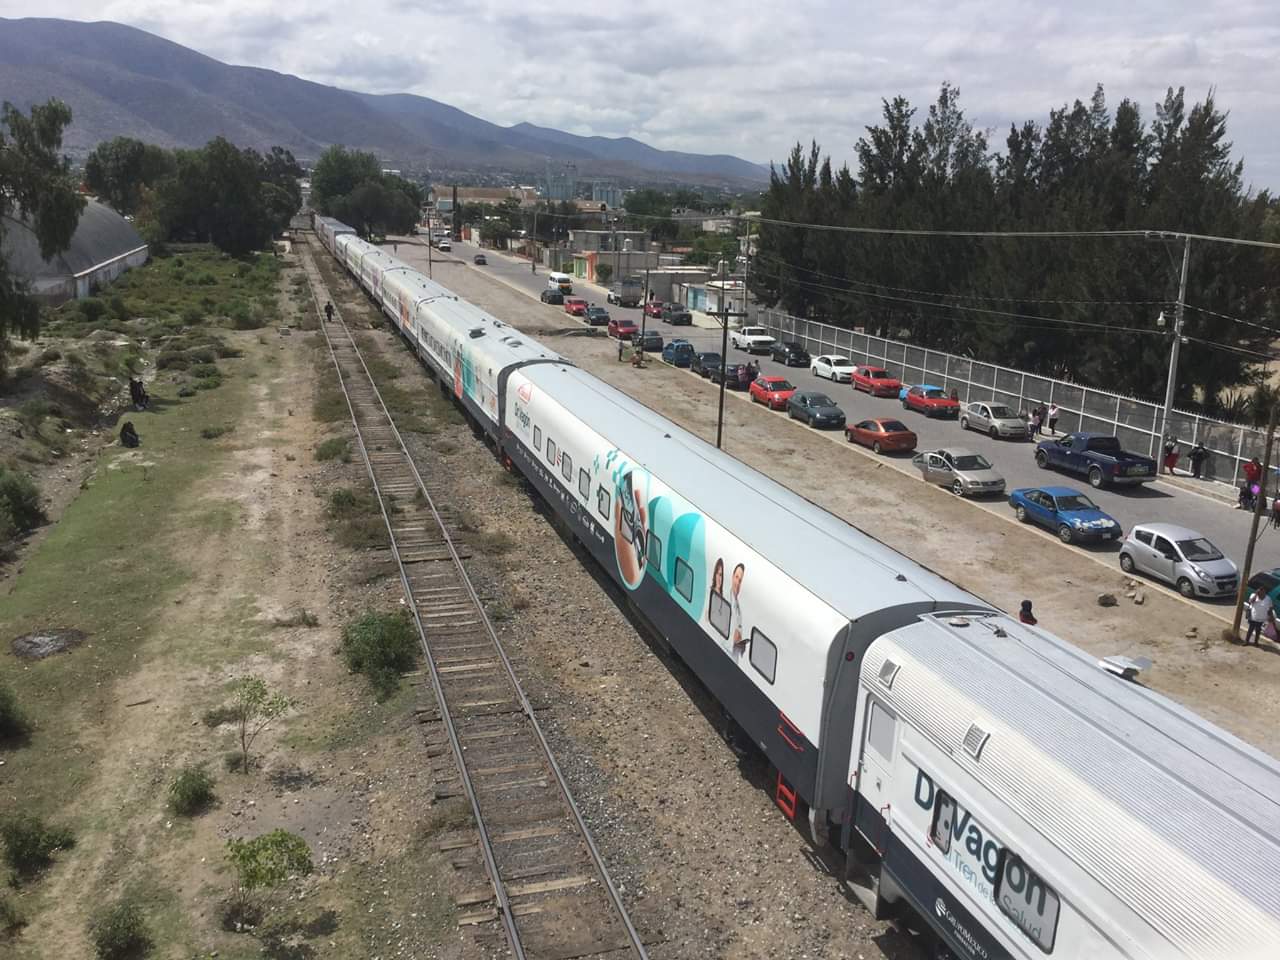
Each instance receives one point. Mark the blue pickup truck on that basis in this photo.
(1096, 456)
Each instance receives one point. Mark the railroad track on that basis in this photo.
(547, 884)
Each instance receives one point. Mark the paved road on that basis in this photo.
(1161, 501)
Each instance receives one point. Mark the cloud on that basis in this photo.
(748, 78)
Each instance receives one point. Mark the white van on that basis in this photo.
(560, 281)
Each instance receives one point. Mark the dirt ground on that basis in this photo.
(998, 560)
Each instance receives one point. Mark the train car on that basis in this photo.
(989, 776)
(329, 230)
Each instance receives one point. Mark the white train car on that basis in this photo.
(329, 230)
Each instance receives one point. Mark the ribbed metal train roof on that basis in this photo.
(847, 569)
(101, 235)
(1171, 813)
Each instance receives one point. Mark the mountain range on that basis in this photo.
(121, 81)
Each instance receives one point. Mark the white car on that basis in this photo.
(835, 368)
(751, 339)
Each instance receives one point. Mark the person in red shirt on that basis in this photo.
(1252, 471)
(1025, 615)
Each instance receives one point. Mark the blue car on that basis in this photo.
(902, 394)
(1067, 512)
(678, 353)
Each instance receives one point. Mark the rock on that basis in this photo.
(1106, 599)
(1140, 599)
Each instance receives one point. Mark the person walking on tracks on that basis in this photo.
(328, 311)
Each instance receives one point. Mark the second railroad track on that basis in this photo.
(548, 886)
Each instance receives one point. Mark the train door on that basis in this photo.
(875, 767)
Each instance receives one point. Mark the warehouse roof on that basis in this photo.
(101, 236)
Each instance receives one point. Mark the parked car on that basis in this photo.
(1067, 512)
(676, 315)
(650, 340)
(704, 363)
(931, 401)
(551, 296)
(995, 419)
(882, 436)
(835, 368)
(773, 392)
(654, 309)
(679, 353)
(1268, 580)
(735, 377)
(790, 354)
(1180, 557)
(622, 328)
(1096, 456)
(575, 306)
(751, 339)
(876, 381)
(597, 316)
(815, 409)
(965, 473)
(479, 260)
(444, 246)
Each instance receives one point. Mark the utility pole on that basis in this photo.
(430, 243)
(644, 304)
(1172, 383)
(1258, 502)
(724, 314)
(533, 256)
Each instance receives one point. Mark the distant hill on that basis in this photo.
(121, 81)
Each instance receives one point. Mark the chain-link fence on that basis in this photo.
(1135, 422)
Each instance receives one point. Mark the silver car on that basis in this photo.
(993, 418)
(966, 473)
(1180, 557)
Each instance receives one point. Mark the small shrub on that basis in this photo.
(213, 433)
(191, 790)
(46, 357)
(218, 716)
(202, 355)
(255, 708)
(335, 448)
(20, 508)
(29, 843)
(175, 360)
(186, 390)
(264, 863)
(207, 279)
(299, 618)
(118, 308)
(345, 502)
(381, 646)
(11, 921)
(208, 383)
(119, 931)
(75, 360)
(225, 350)
(13, 721)
(92, 309)
(192, 316)
(203, 371)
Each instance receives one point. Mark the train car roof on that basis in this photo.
(1169, 812)
(844, 567)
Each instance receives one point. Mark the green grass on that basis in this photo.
(335, 448)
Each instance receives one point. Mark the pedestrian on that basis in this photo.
(1248, 494)
(1275, 514)
(1053, 419)
(128, 435)
(620, 346)
(955, 394)
(1253, 471)
(328, 311)
(1259, 608)
(1025, 615)
(1170, 453)
(1198, 455)
(1035, 421)
(395, 248)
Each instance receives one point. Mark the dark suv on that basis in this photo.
(676, 315)
(551, 296)
(704, 363)
(597, 316)
(790, 354)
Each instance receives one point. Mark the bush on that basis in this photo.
(213, 433)
(243, 317)
(92, 309)
(265, 862)
(192, 316)
(118, 308)
(203, 355)
(209, 383)
(207, 279)
(345, 502)
(174, 360)
(13, 721)
(29, 844)
(20, 509)
(47, 357)
(204, 370)
(191, 790)
(381, 646)
(119, 931)
(186, 390)
(335, 448)
(11, 921)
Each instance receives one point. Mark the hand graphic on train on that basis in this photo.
(630, 521)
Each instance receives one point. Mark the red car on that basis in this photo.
(877, 381)
(622, 329)
(773, 392)
(653, 309)
(882, 435)
(575, 306)
(931, 401)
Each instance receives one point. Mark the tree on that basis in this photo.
(36, 183)
(119, 170)
(264, 863)
(337, 173)
(604, 273)
(253, 708)
(281, 193)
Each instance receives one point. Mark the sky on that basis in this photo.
(752, 77)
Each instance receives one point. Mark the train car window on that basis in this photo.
(880, 731)
(537, 439)
(1027, 900)
(566, 467)
(764, 655)
(944, 818)
(684, 579)
(602, 502)
(551, 450)
(584, 484)
(655, 552)
(720, 614)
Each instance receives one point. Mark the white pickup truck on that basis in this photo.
(751, 339)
